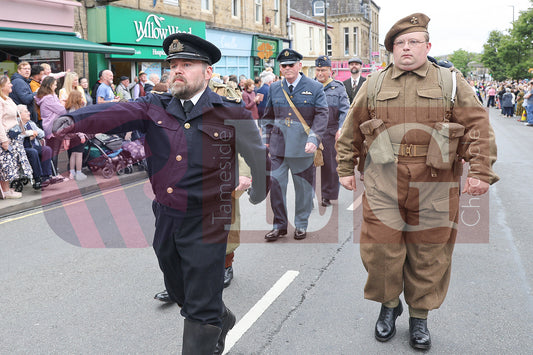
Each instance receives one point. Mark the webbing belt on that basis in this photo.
(410, 150)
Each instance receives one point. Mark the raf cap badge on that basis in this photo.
(175, 47)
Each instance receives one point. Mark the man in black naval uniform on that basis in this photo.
(291, 147)
(338, 105)
(192, 139)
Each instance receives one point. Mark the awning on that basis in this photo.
(52, 40)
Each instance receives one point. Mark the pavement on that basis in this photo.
(67, 190)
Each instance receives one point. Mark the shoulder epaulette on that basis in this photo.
(159, 92)
(231, 99)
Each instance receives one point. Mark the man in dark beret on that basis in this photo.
(416, 133)
(355, 81)
(294, 124)
(192, 137)
(338, 105)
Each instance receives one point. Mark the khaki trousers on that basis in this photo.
(408, 232)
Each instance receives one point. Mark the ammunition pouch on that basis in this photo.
(442, 149)
(319, 157)
(377, 141)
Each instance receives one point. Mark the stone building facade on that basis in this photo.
(249, 33)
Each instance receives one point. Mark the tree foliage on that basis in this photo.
(511, 55)
(460, 59)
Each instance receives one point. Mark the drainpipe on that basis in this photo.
(289, 25)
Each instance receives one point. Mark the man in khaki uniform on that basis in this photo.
(411, 199)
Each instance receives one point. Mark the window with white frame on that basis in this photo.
(276, 12)
(235, 8)
(206, 5)
(355, 46)
(258, 10)
(311, 38)
(346, 41)
(330, 51)
(318, 8)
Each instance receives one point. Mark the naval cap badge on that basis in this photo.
(175, 47)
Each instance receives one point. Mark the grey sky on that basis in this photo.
(454, 24)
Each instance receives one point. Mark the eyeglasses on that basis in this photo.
(287, 65)
(410, 43)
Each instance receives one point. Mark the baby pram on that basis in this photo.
(112, 154)
(133, 154)
(103, 153)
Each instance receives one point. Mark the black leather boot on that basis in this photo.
(228, 276)
(228, 321)
(419, 337)
(386, 323)
(199, 339)
(163, 296)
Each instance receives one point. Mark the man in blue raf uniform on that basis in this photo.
(338, 108)
(290, 146)
(192, 139)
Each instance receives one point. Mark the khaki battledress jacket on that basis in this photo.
(410, 211)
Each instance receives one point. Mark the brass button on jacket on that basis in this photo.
(187, 125)
(170, 190)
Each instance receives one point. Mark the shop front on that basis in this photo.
(142, 31)
(264, 53)
(235, 49)
(41, 32)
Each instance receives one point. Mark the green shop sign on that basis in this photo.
(141, 52)
(110, 24)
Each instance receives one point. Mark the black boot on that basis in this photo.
(37, 183)
(419, 337)
(199, 339)
(228, 321)
(386, 324)
(228, 276)
(163, 296)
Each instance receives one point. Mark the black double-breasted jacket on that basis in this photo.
(191, 158)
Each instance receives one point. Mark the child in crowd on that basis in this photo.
(76, 142)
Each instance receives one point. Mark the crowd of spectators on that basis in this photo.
(35, 90)
(510, 97)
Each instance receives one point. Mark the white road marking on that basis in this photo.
(356, 203)
(258, 309)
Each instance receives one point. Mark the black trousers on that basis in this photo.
(329, 180)
(191, 250)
